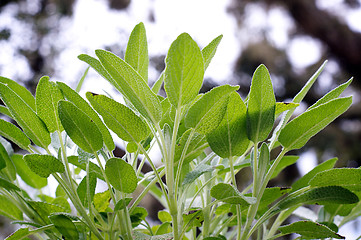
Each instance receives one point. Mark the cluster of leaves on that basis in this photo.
(204, 140)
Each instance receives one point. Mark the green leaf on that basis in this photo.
(298, 131)
(261, 105)
(196, 146)
(122, 204)
(349, 178)
(6, 162)
(4, 110)
(263, 159)
(303, 181)
(25, 116)
(21, 91)
(82, 188)
(80, 128)
(164, 216)
(282, 107)
(136, 54)
(65, 226)
(207, 113)
(45, 209)
(119, 118)
(229, 194)
(269, 196)
(320, 195)
(193, 218)
(209, 50)
(48, 95)
(19, 234)
(285, 162)
(44, 165)
(80, 103)
(184, 71)
(131, 85)
(8, 185)
(101, 201)
(310, 230)
(14, 134)
(138, 215)
(141, 236)
(197, 172)
(93, 168)
(158, 84)
(9, 209)
(121, 175)
(332, 94)
(230, 137)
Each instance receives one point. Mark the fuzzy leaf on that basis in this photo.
(303, 181)
(310, 230)
(282, 107)
(21, 91)
(131, 85)
(349, 178)
(82, 188)
(230, 137)
(5, 160)
(298, 131)
(101, 201)
(285, 162)
(261, 106)
(206, 113)
(25, 116)
(209, 51)
(121, 175)
(45, 209)
(43, 165)
(65, 226)
(19, 234)
(119, 118)
(80, 103)
(136, 54)
(9, 209)
(196, 173)
(229, 194)
(80, 128)
(14, 134)
(184, 71)
(48, 95)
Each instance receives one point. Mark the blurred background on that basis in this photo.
(292, 38)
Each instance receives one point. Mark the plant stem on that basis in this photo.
(238, 208)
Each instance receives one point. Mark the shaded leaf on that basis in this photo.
(9, 209)
(43, 165)
(284, 162)
(230, 137)
(196, 173)
(121, 175)
(19, 234)
(122, 204)
(45, 209)
(8, 185)
(82, 189)
(14, 134)
(138, 215)
(229, 194)
(5, 160)
(65, 226)
(208, 111)
(261, 105)
(184, 71)
(80, 128)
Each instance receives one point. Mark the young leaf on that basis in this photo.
(80, 128)
(209, 51)
(349, 178)
(298, 131)
(121, 175)
(119, 118)
(230, 137)
(261, 106)
(43, 165)
(131, 85)
(25, 116)
(48, 95)
(206, 113)
(332, 94)
(229, 194)
(101, 201)
(79, 102)
(184, 71)
(9, 209)
(303, 181)
(263, 160)
(136, 54)
(21, 91)
(309, 229)
(65, 226)
(14, 134)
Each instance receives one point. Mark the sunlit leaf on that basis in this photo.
(209, 50)
(310, 230)
(43, 165)
(121, 175)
